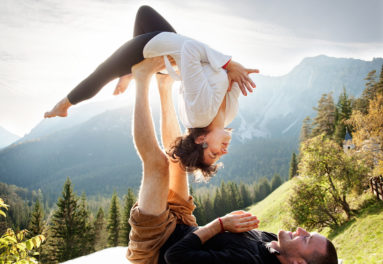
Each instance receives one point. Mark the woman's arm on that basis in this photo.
(196, 53)
(235, 222)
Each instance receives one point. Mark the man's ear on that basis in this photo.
(200, 139)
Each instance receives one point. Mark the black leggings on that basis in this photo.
(148, 24)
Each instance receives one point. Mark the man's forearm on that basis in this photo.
(170, 128)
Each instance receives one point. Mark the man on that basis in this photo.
(163, 227)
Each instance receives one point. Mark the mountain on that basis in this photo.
(7, 138)
(281, 103)
(99, 157)
(77, 115)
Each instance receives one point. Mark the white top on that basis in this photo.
(204, 82)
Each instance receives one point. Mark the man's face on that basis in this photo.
(299, 244)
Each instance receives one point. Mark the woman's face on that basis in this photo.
(218, 141)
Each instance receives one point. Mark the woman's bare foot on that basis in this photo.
(122, 84)
(60, 109)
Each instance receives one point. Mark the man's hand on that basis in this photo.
(146, 68)
(239, 221)
(239, 74)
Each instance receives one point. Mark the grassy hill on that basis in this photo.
(358, 241)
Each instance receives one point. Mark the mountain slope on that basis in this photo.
(358, 241)
(281, 103)
(98, 154)
(7, 138)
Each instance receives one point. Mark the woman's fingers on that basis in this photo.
(247, 85)
(230, 84)
(243, 89)
(250, 221)
(252, 71)
(248, 79)
(239, 212)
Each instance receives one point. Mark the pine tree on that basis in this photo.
(36, 224)
(263, 189)
(199, 211)
(64, 240)
(209, 210)
(221, 203)
(368, 93)
(113, 226)
(324, 122)
(293, 171)
(245, 194)
(87, 234)
(344, 111)
(379, 84)
(130, 199)
(306, 129)
(235, 201)
(100, 230)
(276, 181)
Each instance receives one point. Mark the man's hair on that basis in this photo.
(191, 155)
(330, 257)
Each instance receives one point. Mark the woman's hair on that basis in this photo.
(191, 154)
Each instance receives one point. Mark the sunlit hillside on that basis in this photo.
(359, 241)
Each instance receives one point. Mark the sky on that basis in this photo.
(48, 46)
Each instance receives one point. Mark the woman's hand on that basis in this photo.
(239, 221)
(239, 74)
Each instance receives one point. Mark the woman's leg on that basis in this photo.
(119, 64)
(148, 24)
(149, 20)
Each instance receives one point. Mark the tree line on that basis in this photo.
(333, 170)
(70, 230)
(230, 196)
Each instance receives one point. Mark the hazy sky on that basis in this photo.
(48, 46)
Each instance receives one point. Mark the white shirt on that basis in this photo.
(204, 83)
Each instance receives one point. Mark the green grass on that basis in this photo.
(358, 241)
(272, 211)
(361, 240)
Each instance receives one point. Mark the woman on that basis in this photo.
(207, 103)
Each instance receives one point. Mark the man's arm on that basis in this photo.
(170, 130)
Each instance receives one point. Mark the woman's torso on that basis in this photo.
(204, 82)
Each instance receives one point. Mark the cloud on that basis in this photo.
(48, 46)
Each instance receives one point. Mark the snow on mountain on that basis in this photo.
(114, 255)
